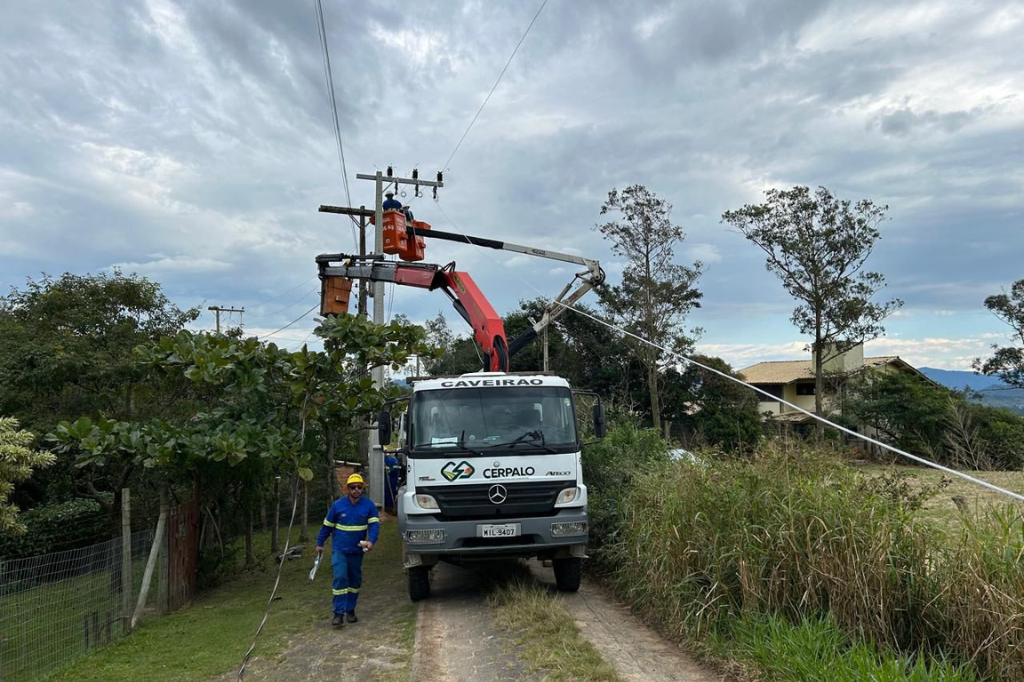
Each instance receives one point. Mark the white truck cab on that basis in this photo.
(493, 471)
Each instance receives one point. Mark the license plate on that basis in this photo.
(498, 530)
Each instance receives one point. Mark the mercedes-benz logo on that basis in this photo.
(497, 494)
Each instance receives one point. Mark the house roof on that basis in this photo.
(789, 371)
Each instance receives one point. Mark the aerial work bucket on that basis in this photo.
(417, 246)
(334, 295)
(395, 237)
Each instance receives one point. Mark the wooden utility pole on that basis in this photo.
(219, 309)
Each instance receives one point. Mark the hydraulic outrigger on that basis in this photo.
(465, 295)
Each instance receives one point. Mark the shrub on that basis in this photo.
(58, 527)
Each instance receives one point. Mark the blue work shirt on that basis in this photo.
(392, 203)
(348, 524)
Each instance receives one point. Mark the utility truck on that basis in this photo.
(492, 458)
(493, 471)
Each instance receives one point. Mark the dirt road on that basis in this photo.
(456, 642)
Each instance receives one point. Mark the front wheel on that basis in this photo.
(418, 578)
(568, 572)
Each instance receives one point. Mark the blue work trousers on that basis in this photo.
(348, 577)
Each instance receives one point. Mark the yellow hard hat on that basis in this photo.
(355, 478)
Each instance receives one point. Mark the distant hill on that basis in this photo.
(960, 380)
(992, 391)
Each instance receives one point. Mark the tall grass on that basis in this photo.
(794, 533)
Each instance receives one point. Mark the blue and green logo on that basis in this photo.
(454, 472)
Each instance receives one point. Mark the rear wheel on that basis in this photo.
(419, 582)
(568, 572)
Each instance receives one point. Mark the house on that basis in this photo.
(793, 381)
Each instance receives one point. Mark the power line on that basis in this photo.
(488, 98)
(680, 356)
(291, 305)
(329, 76)
(267, 336)
(274, 298)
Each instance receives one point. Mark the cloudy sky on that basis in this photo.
(192, 142)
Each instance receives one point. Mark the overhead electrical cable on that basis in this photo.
(695, 363)
(493, 87)
(292, 305)
(274, 298)
(267, 336)
(329, 76)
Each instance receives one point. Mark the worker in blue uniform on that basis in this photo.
(391, 202)
(353, 526)
(391, 471)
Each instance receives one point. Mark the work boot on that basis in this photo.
(338, 620)
(352, 617)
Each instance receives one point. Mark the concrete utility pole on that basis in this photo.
(381, 180)
(218, 310)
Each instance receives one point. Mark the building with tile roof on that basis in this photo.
(793, 381)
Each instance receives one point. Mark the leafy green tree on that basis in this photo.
(656, 294)
(17, 461)
(1007, 362)
(452, 354)
(66, 347)
(818, 245)
(719, 411)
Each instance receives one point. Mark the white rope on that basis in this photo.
(680, 356)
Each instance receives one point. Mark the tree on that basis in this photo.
(817, 245)
(1007, 362)
(656, 294)
(17, 461)
(66, 347)
(720, 412)
(452, 354)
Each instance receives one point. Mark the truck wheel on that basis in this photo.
(419, 582)
(568, 573)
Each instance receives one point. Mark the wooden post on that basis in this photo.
(304, 534)
(162, 600)
(158, 539)
(126, 552)
(277, 515)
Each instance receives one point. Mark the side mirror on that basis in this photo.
(600, 423)
(384, 428)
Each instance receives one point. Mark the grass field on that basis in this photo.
(975, 499)
(208, 638)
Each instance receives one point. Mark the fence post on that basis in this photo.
(277, 515)
(165, 559)
(161, 524)
(126, 552)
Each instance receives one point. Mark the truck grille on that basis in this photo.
(534, 498)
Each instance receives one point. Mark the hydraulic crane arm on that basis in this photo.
(465, 295)
(588, 279)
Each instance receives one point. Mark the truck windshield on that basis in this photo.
(533, 418)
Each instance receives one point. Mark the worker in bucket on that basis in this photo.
(390, 202)
(353, 525)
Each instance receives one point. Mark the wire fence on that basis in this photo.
(56, 608)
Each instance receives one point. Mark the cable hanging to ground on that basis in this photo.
(493, 87)
(695, 363)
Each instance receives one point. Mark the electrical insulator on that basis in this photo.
(389, 171)
(415, 174)
(440, 176)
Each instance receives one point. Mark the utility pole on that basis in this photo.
(218, 310)
(380, 181)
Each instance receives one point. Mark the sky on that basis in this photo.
(192, 142)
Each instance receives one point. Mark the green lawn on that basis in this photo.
(210, 637)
